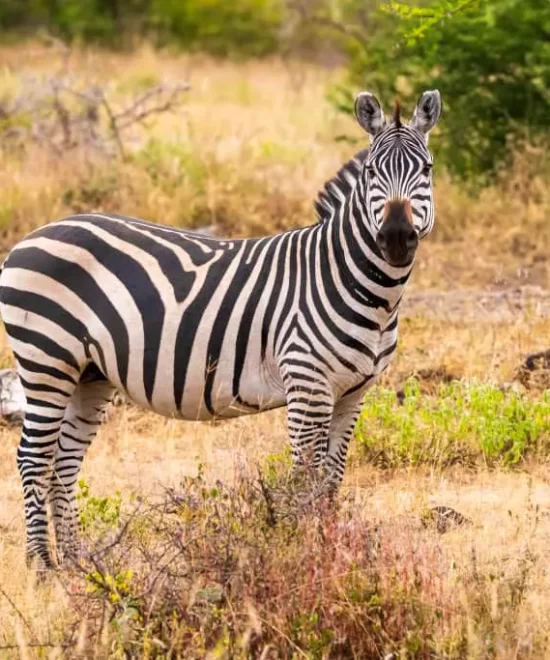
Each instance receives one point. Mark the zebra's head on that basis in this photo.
(397, 175)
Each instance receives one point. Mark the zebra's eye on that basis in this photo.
(427, 169)
(370, 170)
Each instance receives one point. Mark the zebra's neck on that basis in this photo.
(355, 262)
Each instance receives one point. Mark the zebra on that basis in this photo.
(200, 327)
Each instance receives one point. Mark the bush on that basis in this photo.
(91, 20)
(464, 423)
(489, 58)
(246, 571)
(212, 570)
(248, 27)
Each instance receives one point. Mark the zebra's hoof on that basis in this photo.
(68, 557)
(40, 564)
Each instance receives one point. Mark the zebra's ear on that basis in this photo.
(369, 113)
(427, 111)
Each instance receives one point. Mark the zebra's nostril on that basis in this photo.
(382, 240)
(412, 239)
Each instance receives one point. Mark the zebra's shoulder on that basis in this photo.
(339, 187)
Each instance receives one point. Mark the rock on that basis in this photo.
(537, 361)
(534, 373)
(12, 397)
(443, 518)
(13, 401)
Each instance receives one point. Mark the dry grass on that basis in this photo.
(489, 579)
(249, 151)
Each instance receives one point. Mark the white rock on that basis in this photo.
(12, 397)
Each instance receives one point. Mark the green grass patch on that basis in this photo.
(464, 423)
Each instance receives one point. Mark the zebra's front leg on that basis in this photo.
(309, 416)
(80, 424)
(344, 419)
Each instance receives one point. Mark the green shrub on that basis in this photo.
(489, 58)
(249, 27)
(97, 514)
(463, 423)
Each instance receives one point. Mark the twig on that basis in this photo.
(64, 118)
(137, 117)
(17, 611)
(347, 30)
(113, 125)
(270, 509)
(302, 653)
(341, 28)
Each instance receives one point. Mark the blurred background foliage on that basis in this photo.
(489, 58)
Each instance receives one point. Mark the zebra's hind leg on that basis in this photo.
(82, 418)
(48, 391)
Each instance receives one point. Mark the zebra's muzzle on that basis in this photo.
(397, 238)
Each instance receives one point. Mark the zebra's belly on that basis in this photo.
(193, 407)
(206, 399)
(223, 405)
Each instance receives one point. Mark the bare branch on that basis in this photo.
(113, 125)
(61, 114)
(308, 16)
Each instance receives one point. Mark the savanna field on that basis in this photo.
(194, 544)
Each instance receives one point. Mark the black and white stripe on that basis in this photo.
(197, 327)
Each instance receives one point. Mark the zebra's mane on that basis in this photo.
(330, 198)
